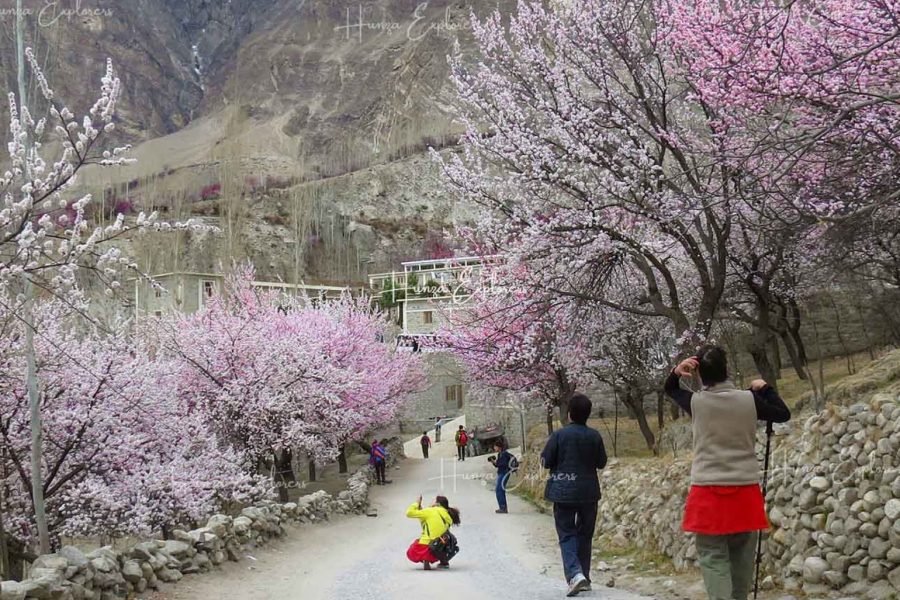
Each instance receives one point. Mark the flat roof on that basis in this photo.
(304, 285)
(444, 261)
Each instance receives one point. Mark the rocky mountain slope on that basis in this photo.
(228, 100)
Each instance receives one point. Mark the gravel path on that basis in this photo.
(359, 558)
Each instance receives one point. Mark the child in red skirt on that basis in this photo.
(725, 507)
(435, 521)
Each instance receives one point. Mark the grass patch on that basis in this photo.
(642, 558)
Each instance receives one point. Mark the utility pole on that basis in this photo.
(34, 401)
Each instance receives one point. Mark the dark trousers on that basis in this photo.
(461, 452)
(500, 489)
(379, 471)
(425, 450)
(575, 529)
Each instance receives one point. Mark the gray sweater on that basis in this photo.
(724, 427)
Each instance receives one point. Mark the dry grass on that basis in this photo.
(879, 376)
(793, 389)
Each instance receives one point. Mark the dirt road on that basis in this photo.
(357, 558)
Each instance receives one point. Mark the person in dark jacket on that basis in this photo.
(573, 455)
(501, 462)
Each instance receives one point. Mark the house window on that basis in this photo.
(453, 394)
(157, 313)
(428, 317)
(207, 289)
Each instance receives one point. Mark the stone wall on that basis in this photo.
(422, 407)
(107, 573)
(833, 498)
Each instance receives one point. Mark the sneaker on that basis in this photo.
(501, 511)
(578, 584)
(587, 587)
(444, 565)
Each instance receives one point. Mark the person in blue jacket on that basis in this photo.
(573, 455)
(502, 464)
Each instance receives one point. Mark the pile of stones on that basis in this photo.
(108, 573)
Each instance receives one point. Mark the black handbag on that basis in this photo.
(444, 547)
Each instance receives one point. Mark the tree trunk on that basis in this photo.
(634, 400)
(840, 335)
(342, 460)
(820, 392)
(4, 549)
(796, 362)
(759, 350)
(870, 347)
(312, 470)
(285, 477)
(794, 322)
(566, 391)
(549, 420)
(616, 423)
(660, 410)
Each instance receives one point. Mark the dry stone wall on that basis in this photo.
(108, 573)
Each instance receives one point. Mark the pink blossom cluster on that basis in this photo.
(122, 453)
(269, 373)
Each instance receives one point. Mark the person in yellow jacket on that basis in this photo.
(435, 521)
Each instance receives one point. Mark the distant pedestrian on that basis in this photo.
(462, 438)
(503, 463)
(436, 521)
(725, 507)
(437, 429)
(378, 459)
(574, 454)
(426, 444)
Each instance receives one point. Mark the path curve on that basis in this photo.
(361, 558)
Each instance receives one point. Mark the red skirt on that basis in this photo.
(419, 553)
(723, 510)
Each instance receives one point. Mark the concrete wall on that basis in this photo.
(422, 408)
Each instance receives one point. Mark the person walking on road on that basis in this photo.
(462, 438)
(435, 521)
(378, 459)
(573, 455)
(503, 464)
(725, 507)
(426, 444)
(437, 429)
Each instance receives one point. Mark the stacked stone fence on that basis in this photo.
(107, 573)
(833, 500)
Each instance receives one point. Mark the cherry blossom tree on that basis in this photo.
(510, 338)
(802, 95)
(587, 158)
(122, 454)
(270, 375)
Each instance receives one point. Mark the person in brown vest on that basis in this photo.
(725, 507)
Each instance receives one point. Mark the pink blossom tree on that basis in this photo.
(803, 96)
(47, 241)
(272, 376)
(512, 339)
(587, 159)
(122, 453)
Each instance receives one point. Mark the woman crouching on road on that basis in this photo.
(725, 507)
(435, 520)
